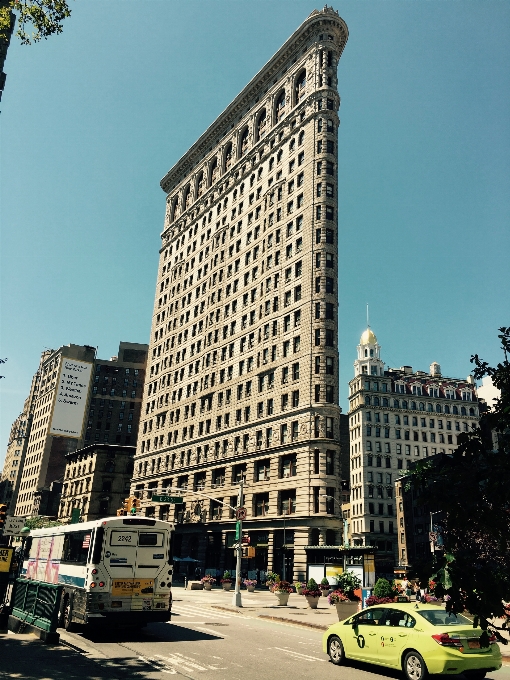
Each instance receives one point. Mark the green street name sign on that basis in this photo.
(167, 499)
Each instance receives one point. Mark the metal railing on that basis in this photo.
(37, 603)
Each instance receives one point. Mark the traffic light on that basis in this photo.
(136, 505)
(3, 514)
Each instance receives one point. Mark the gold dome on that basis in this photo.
(368, 338)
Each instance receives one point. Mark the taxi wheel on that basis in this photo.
(336, 650)
(414, 666)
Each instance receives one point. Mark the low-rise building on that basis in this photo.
(96, 481)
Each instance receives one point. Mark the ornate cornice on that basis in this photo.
(244, 102)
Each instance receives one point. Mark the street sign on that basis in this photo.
(13, 526)
(238, 530)
(245, 540)
(167, 499)
(241, 513)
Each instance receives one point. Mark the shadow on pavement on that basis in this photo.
(160, 632)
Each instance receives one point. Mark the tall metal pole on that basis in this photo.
(284, 550)
(236, 600)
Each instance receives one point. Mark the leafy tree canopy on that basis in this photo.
(36, 19)
(471, 489)
(40, 522)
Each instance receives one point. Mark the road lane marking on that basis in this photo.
(298, 655)
(195, 611)
(190, 662)
(216, 633)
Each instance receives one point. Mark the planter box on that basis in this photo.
(312, 601)
(283, 598)
(250, 589)
(226, 586)
(346, 609)
(207, 586)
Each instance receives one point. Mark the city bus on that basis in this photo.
(116, 570)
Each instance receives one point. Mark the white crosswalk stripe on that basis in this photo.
(298, 656)
(202, 613)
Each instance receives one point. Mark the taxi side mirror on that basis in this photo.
(354, 624)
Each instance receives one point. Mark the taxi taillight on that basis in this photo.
(445, 640)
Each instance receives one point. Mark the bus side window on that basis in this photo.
(76, 547)
(98, 546)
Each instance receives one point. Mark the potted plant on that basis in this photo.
(312, 593)
(208, 581)
(384, 592)
(250, 585)
(324, 586)
(298, 585)
(226, 581)
(271, 579)
(348, 582)
(344, 606)
(282, 590)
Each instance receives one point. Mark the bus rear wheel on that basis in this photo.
(66, 618)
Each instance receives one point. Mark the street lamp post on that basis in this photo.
(344, 523)
(237, 599)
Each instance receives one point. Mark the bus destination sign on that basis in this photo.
(167, 499)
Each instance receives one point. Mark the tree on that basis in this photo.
(40, 522)
(37, 19)
(471, 488)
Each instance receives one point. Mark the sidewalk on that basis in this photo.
(262, 604)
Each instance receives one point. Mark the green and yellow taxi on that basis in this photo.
(419, 639)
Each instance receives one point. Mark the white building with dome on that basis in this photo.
(397, 416)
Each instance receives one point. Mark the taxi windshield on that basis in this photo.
(440, 617)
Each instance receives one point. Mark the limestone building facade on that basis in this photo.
(397, 416)
(243, 362)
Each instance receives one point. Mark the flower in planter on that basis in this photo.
(324, 584)
(208, 579)
(337, 596)
(299, 585)
(249, 582)
(312, 589)
(281, 587)
(227, 577)
(271, 578)
(373, 599)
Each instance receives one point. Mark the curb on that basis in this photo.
(226, 609)
(304, 624)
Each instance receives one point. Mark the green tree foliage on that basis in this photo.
(471, 488)
(383, 588)
(36, 19)
(348, 582)
(41, 523)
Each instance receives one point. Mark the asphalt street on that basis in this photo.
(201, 643)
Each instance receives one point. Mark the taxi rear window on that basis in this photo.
(442, 618)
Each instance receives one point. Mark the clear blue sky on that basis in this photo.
(93, 118)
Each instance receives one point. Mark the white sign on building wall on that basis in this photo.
(71, 400)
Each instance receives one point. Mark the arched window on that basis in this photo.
(472, 411)
(200, 184)
(228, 158)
(396, 403)
(175, 209)
(430, 407)
(243, 143)
(463, 411)
(404, 403)
(367, 401)
(455, 411)
(187, 199)
(261, 124)
(385, 401)
(300, 86)
(438, 408)
(280, 107)
(301, 137)
(214, 171)
(413, 405)
(109, 466)
(446, 408)
(314, 537)
(376, 401)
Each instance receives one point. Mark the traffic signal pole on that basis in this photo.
(237, 600)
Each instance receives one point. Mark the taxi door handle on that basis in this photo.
(372, 633)
(402, 634)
